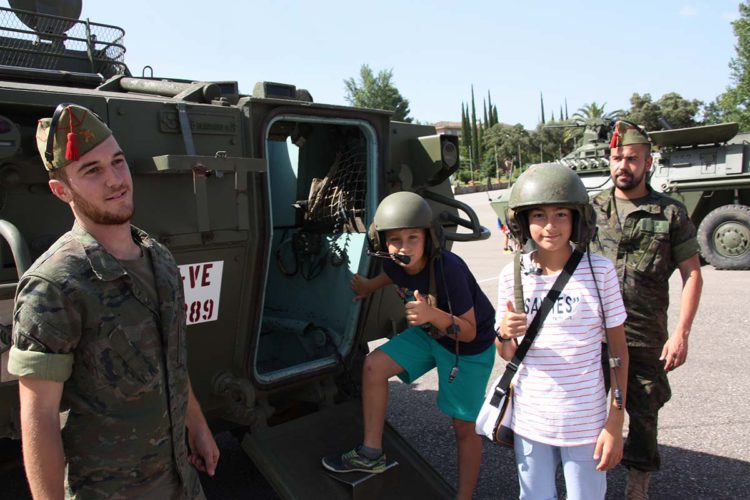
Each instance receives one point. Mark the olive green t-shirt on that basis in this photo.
(142, 273)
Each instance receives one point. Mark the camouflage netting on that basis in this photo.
(338, 200)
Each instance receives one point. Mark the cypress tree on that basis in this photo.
(474, 130)
(489, 105)
(541, 100)
(486, 120)
(465, 128)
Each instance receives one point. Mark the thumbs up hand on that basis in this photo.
(513, 323)
(419, 311)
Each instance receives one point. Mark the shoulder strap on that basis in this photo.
(511, 368)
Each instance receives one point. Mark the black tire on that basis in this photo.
(724, 237)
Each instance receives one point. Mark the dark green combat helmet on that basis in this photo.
(550, 184)
(400, 211)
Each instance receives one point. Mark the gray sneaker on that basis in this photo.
(352, 461)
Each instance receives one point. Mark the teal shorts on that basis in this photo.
(417, 353)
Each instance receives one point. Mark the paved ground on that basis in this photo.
(704, 446)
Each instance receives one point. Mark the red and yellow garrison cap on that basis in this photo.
(75, 131)
(627, 133)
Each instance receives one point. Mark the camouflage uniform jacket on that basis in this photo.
(646, 248)
(80, 319)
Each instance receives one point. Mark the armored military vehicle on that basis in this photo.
(706, 167)
(593, 153)
(264, 200)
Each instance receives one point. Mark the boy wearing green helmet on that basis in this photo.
(451, 325)
(560, 413)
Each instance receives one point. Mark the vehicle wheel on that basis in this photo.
(724, 237)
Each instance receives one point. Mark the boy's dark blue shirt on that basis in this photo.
(464, 294)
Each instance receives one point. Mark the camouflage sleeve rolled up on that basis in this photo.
(46, 330)
(682, 236)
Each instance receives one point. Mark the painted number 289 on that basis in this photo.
(199, 310)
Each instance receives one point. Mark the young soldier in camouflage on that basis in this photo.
(647, 235)
(99, 330)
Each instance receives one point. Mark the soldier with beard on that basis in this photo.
(647, 235)
(99, 331)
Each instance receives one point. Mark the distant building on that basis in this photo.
(448, 128)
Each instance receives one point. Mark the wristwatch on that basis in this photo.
(501, 338)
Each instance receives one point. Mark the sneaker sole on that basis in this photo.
(332, 469)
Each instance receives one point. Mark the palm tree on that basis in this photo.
(593, 111)
(592, 115)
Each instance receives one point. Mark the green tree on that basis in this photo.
(679, 112)
(474, 131)
(593, 110)
(672, 107)
(734, 104)
(541, 103)
(548, 142)
(644, 111)
(465, 131)
(713, 112)
(474, 153)
(492, 111)
(377, 92)
(507, 141)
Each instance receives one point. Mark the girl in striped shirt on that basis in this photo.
(561, 415)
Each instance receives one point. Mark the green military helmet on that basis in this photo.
(400, 211)
(550, 184)
(547, 184)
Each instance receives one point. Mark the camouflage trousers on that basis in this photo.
(648, 391)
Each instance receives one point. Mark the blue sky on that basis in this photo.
(582, 51)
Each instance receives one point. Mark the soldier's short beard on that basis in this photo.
(98, 216)
(633, 183)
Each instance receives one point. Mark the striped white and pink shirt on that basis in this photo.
(559, 389)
